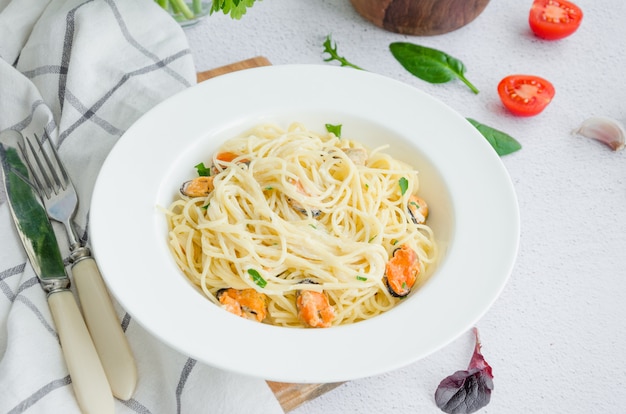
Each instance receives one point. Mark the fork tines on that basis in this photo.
(45, 175)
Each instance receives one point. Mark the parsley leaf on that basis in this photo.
(334, 129)
(332, 51)
(185, 10)
(236, 8)
(202, 170)
(404, 185)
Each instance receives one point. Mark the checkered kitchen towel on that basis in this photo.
(85, 71)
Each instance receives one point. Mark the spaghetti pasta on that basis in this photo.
(294, 210)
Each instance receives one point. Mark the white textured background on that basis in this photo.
(556, 337)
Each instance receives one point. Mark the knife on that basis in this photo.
(89, 381)
(100, 317)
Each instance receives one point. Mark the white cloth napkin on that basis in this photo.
(85, 71)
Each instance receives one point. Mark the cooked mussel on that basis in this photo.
(303, 210)
(299, 207)
(401, 271)
(198, 187)
(203, 185)
(418, 209)
(247, 303)
(314, 308)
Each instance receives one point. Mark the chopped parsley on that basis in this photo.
(202, 170)
(361, 278)
(334, 129)
(404, 185)
(257, 278)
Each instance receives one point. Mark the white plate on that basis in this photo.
(473, 208)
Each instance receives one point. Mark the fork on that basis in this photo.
(61, 201)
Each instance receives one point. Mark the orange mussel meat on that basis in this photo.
(402, 271)
(314, 309)
(198, 187)
(247, 303)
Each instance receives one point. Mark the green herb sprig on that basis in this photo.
(334, 55)
(430, 65)
(184, 10)
(236, 8)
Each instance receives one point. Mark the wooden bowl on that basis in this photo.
(420, 17)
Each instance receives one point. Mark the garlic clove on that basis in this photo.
(605, 130)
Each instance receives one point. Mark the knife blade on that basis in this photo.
(91, 387)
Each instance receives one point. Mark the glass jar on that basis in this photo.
(187, 13)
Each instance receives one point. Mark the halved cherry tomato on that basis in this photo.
(554, 19)
(525, 95)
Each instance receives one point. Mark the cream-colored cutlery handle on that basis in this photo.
(88, 378)
(106, 331)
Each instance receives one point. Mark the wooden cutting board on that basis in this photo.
(289, 396)
(233, 67)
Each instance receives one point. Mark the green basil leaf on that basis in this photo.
(502, 142)
(430, 65)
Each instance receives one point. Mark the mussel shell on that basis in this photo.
(415, 214)
(393, 292)
(298, 207)
(183, 187)
(305, 282)
(220, 292)
(245, 309)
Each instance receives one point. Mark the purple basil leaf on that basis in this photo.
(464, 392)
(468, 391)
